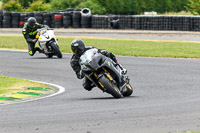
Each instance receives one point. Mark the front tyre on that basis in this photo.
(129, 90)
(110, 87)
(56, 50)
(49, 55)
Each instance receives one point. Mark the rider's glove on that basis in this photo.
(103, 52)
(113, 57)
(80, 75)
(34, 40)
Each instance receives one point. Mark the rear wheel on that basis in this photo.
(56, 50)
(128, 91)
(110, 87)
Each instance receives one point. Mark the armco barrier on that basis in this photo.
(77, 18)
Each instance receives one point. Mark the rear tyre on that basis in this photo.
(56, 50)
(110, 87)
(129, 90)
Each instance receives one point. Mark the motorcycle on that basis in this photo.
(48, 42)
(105, 74)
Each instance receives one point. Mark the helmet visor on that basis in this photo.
(74, 49)
(31, 24)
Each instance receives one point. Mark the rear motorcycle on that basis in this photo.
(48, 42)
(105, 74)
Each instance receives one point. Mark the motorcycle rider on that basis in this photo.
(78, 48)
(29, 31)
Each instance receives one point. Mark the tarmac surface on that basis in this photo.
(119, 34)
(166, 98)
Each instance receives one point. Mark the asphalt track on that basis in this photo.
(119, 34)
(166, 98)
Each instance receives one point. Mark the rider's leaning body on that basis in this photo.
(78, 48)
(29, 31)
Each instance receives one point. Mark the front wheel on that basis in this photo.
(56, 50)
(128, 91)
(110, 87)
(49, 55)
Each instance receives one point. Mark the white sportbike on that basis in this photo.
(48, 42)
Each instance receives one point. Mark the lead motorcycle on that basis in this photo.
(105, 74)
(48, 42)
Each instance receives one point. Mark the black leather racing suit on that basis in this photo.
(29, 35)
(77, 68)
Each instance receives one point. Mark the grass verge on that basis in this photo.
(12, 85)
(120, 47)
(0, 4)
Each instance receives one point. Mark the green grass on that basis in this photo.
(120, 47)
(0, 4)
(11, 85)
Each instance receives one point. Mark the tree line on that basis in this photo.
(118, 7)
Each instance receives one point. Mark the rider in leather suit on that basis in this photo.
(78, 48)
(29, 31)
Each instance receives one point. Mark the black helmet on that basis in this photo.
(78, 47)
(31, 22)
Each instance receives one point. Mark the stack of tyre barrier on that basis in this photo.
(23, 17)
(29, 14)
(113, 21)
(120, 22)
(67, 19)
(82, 18)
(99, 21)
(15, 19)
(47, 19)
(7, 20)
(162, 23)
(76, 19)
(52, 25)
(85, 18)
(136, 22)
(39, 17)
(58, 20)
(125, 22)
(1, 19)
(195, 23)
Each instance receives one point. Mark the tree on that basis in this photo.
(25, 3)
(94, 6)
(5, 1)
(167, 5)
(135, 7)
(13, 5)
(194, 7)
(64, 4)
(117, 6)
(150, 6)
(38, 5)
(177, 7)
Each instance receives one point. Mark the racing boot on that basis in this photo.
(39, 50)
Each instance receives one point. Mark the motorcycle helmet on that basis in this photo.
(78, 47)
(31, 22)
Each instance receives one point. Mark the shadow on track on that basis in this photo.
(44, 58)
(108, 98)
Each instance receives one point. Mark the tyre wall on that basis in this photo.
(82, 18)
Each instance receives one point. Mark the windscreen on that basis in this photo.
(88, 55)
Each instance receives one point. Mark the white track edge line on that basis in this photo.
(61, 90)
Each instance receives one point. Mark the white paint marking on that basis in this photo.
(61, 90)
